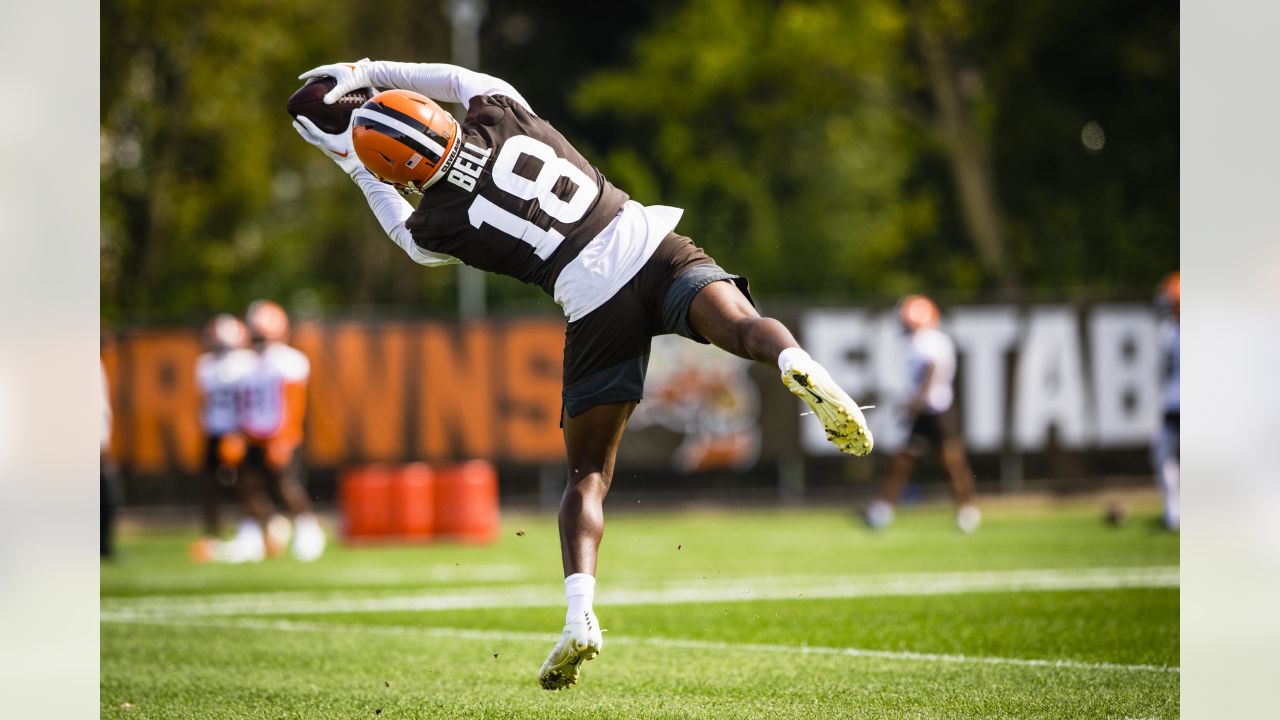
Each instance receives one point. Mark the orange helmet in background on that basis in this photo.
(1169, 292)
(225, 332)
(267, 321)
(405, 139)
(918, 311)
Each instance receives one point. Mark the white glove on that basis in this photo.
(350, 76)
(337, 148)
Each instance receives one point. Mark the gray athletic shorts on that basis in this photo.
(606, 353)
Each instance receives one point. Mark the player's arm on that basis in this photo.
(296, 374)
(917, 402)
(391, 210)
(438, 81)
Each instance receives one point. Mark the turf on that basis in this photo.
(1045, 612)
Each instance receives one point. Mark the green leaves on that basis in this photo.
(774, 127)
(804, 139)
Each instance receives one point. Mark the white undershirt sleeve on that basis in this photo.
(441, 81)
(392, 211)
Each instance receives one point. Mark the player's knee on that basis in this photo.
(755, 334)
(590, 483)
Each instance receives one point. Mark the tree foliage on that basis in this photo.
(775, 126)
(814, 146)
(209, 198)
(806, 140)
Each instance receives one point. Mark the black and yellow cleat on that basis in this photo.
(841, 417)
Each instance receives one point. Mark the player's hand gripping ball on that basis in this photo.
(333, 119)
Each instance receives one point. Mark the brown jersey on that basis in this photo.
(519, 200)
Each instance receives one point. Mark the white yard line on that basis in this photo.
(347, 578)
(726, 590)
(698, 645)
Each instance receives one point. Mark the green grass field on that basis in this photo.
(1044, 613)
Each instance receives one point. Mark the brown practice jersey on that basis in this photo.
(519, 200)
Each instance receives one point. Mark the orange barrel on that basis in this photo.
(365, 498)
(413, 501)
(467, 502)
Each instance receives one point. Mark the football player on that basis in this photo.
(931, 369)
(108, 483)
(503, 191)
(219, 372)
(1165, 449)
(271, 400)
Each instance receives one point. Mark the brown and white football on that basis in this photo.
(308, 101)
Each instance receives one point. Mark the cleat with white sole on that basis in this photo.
(580, 641)
(840, 416)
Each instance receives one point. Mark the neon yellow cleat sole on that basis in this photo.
(840, 416)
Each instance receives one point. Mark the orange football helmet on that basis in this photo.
(405, 139)
(918, 311)
(1169, 292)
(267, 322)
(225, 332)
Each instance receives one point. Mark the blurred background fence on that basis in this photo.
(1063, 396)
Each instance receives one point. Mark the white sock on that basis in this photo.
(968, 517)
(790, 356)
(580, 591)
(250, 531)
(879, 513)
(306, 522)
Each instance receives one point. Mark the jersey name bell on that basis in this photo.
(519, 200)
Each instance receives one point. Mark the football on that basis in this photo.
(308, 101)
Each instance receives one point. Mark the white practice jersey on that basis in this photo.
(218, 376)
(925, 347)
(261, 391)
(1170, 386)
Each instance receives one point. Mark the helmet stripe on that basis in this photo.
(410, 120)
(397, 130)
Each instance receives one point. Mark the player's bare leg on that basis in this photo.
(1165, 457)
(723, 315)
(205, 548)
(880, 513)
(249, 543)
(210, 506)
(308, 536)
(253, 497)
(957, 465)
(899, 472)
(953, 457)
(591, 443)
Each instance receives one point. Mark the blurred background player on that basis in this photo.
(1165, 449)
(108, 482)
(931, 369)
(272, 399)
(219, 372)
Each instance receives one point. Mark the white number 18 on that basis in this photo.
(554, 167)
